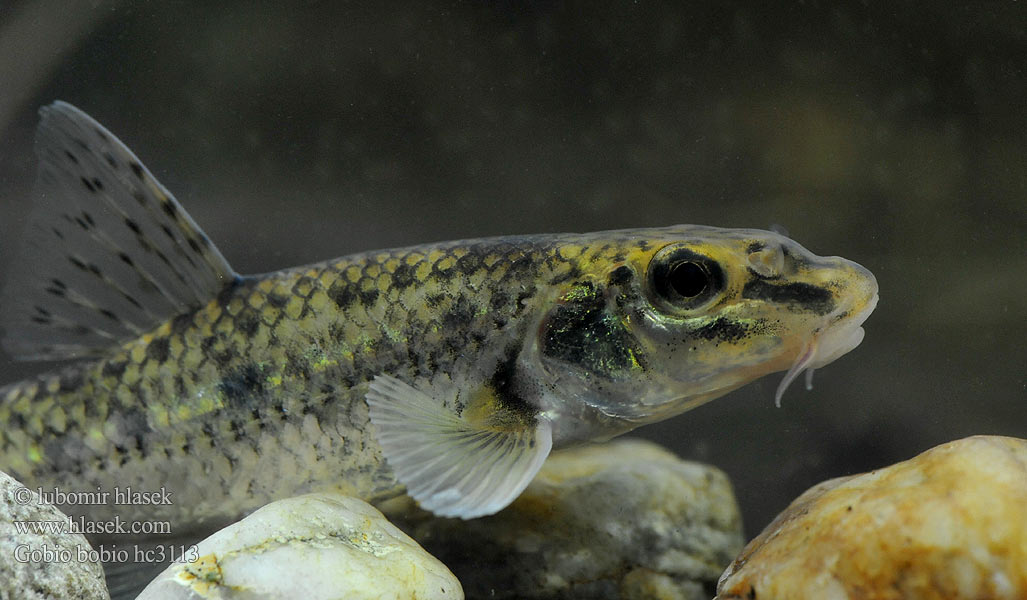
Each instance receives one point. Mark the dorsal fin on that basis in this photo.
(108, 252)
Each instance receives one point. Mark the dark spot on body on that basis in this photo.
(723, 330)
(438, 274)
(70, 381)
(433, 301)
(109, 314)
(277, 300)
(258, 418)
(499, 300)
(97, 183)
(238, 429)
(167, 231)
(58, 233)
(242, 384)
(296, 366)
(755, 247)
(222, 358)
(133, 226)
(181, 323)
(136, 168)
(342, 294)
(102, 135)
(247, 324)
(573, 273)
(228, 292)
(468, 263)
(504, 384)
(169, 208)
(403, 276)
(114, 368)
(88, 184)
(126, 259)
(336, 332)
(15, 420)
(800, 296)
(110, 160)
(582, 333)
(158, 349)
(132, 422)
(368, 297)
(139, 196)
(71, 156)
(194, 245)
(622, 275)
(459, 317)
(643, 245)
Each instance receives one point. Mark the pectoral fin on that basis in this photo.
(452, 465)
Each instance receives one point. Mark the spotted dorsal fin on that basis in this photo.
(108, 252)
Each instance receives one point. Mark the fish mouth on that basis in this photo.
(839, 333)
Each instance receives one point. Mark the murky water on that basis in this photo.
(894, 137)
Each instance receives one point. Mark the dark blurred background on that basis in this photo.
(895, 136)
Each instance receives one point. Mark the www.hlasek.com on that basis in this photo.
(81, 524)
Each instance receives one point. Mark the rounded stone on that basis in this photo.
(948, 524)
(37, 564)
(313, 547)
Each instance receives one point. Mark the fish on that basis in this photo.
(447, 371)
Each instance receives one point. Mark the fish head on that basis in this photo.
(663, 320)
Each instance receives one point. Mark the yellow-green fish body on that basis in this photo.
(447, 369)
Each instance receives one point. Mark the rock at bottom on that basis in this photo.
(948, 524)
(46, 564)
(621, 520)
(314, 547)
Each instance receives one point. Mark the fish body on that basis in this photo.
(448, 370)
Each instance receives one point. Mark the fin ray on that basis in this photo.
(451, 466)
(108, 253)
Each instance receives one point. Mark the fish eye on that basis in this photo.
(681, 279)
(688, 278)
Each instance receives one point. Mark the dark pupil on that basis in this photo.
(688, 279)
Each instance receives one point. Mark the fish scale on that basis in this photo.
(446, 370)
(229, 389)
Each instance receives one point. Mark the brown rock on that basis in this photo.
(949, 524)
